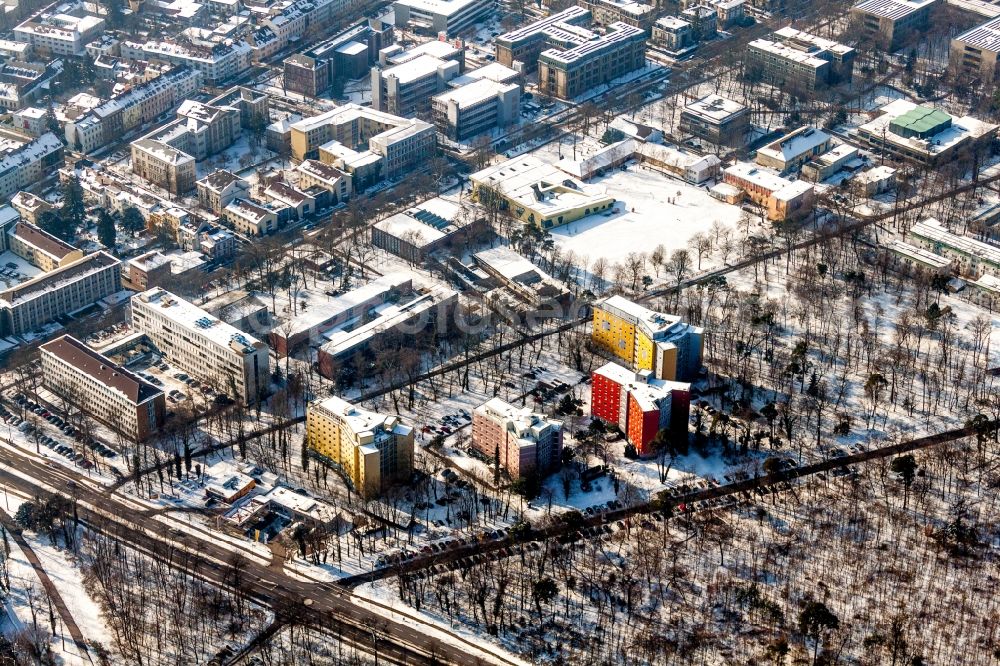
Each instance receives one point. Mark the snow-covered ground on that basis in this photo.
(27, 598)
(652, 209)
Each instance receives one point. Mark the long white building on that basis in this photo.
(37, 302)
(201, 345)
(139, 105)
(26, 165)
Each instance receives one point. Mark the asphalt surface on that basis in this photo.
(323, 605)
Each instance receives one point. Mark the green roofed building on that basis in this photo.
(906, 131)
(920, 122)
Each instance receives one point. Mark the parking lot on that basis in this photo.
(59, 436)
(179, 387)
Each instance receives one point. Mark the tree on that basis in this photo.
(906, 468)
(772, 466)
(770, 412)
(54, 224)
(543, 591)
(26, 516)
(115, 13)
(132, 220)
(815, 621)
(74, 209)
(106, 231)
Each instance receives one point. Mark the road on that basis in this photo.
(323, 605)
(756, 484)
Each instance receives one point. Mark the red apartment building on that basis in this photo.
(639, 404)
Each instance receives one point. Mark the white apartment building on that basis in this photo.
(476, 108)
(37, 302)
(26, 165)
(202, 345)
(216, 62)
(60, 33)
(139, 105)
(111, 394)
(393, 143)
(436, 16)
(971, 257)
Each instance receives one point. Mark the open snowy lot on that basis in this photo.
(653, 209)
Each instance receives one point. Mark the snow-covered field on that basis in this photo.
(652, 209)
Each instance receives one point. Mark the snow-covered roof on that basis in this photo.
(352, 48)
(437, 48)
(918, 254)
(656, 324)
(987, 282)
(358, 420)
(678, 158)
(557, 22)
(494, 71)
(540, 186)
(764, 178)
(338, 309)
(59, 278)
(613, 153)
(892, 9)
(795, 144)
(527, 425)
(931, 230)
(421, 67)
(985, 36)
(616, 33)
(325, 172)
(101, 369)
(219, 180)
(875, 174)
(353, 334)
(647, 390)
(960, 129)
(792, 190)
(150, 260)
(790, 35)
(715, 107)
(780, 49)
(475, 93)
(442, 7)
(672, 23)
(162, 151)
(198, 322)
(508, 263)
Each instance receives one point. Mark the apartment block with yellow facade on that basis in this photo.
(647, 340)
(373, 450)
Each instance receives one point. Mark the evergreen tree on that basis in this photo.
(132, 220)
(106, 231)
(53, 223)
(815, 622)
(74, 210)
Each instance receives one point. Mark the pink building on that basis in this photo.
(526, 442)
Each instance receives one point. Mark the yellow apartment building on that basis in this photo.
(373, 450)
(647, 340)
